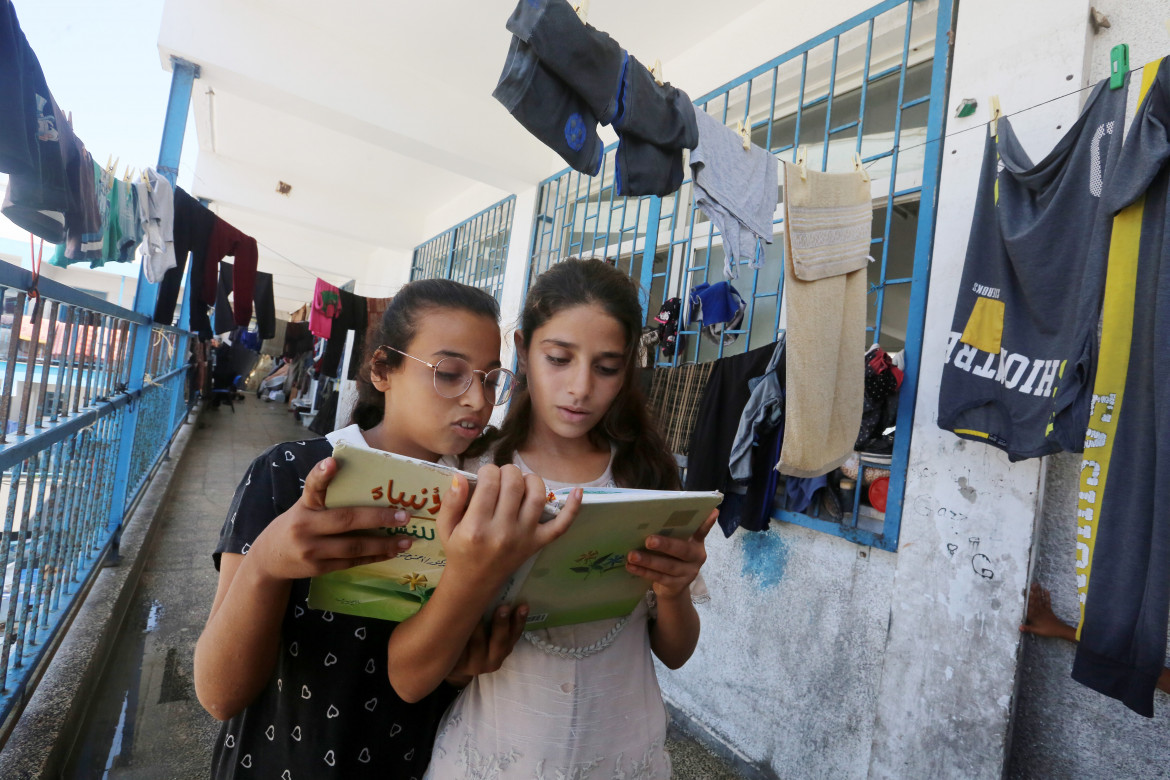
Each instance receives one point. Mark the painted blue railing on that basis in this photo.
(874, 85)
(473, 252)
(91, 397)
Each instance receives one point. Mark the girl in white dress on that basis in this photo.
(582, 701)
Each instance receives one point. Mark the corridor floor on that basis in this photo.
(145, 721)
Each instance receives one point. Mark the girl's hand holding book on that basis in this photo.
(309, 539)
(671, 565)
(488, 537)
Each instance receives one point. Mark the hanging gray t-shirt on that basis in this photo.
(1021, 354)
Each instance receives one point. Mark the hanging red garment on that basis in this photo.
(326, 307)
(226, 240)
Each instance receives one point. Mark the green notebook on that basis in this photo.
(577, 578)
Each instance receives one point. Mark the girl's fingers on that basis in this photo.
(661, 564)
(367, 548)
(454, 502)
(705, 528)
(546, 532)
(513, 487)
(313, 496)
(535, 497)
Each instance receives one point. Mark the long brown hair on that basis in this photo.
(641, 459)
(398, 328)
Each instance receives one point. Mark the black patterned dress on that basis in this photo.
(328, 710)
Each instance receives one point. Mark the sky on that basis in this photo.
(101, 62)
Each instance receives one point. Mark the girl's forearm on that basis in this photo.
(675, 633)
(426, 647)
(237, 651)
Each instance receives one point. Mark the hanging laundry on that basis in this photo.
(1022, 351)
(1123, 533)
(737, 190)
(879, 408)
(34, 138)
(719, 307)
(655, 122)
(673, 400)
(192, 232)
(375, 308)
(265, 302)
(84, 227)
(226, 240)
(123, 228)
(326, 306)
(562, 76)
(720, 408)
(300, 315)
(763, 411)
(352, 317)
(156, 212)
(22, 80)
(827, 220)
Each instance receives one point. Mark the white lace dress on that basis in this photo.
(570, 703)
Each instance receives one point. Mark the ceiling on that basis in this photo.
(378, 114)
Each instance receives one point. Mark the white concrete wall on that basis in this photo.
(1062, 728)
(816, 662)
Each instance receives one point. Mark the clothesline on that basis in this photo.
(290, 261)
(900, 148)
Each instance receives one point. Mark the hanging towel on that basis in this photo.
(673, 400)
(326, 306)
(736, 189)
(826, 321)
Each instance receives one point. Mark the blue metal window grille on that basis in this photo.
(474, 252)
(874, 85)
(91, 396)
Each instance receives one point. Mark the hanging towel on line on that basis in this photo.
(825, 297)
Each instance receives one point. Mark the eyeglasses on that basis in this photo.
(453, 376)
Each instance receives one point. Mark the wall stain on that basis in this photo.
(765, 556)
(966, 490)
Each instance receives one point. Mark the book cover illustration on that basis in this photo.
(397, 588)
(582, 576)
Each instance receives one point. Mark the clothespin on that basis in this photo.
(146, 181)
(1118, 65)
(582, 9)
(744, 134)
(128, 175)
(802, 161)
(996, 113)
(656, 72)
(857, 166)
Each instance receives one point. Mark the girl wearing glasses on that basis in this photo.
(582, 701)
(305, 693)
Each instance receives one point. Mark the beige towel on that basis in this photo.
(827, 223)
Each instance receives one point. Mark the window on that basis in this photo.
(473, 252)
(873, 85)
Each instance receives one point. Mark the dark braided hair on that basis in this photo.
(398, 328)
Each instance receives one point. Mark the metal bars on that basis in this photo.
(874, 85)
(473, 252)
(66, 398)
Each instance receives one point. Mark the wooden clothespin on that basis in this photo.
(859, 167)
(582, 9)
(996, 113)
(1118, 65)
(128, 175)
(146, 181)
(744, 134)
(802, 161)
(656, 72)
